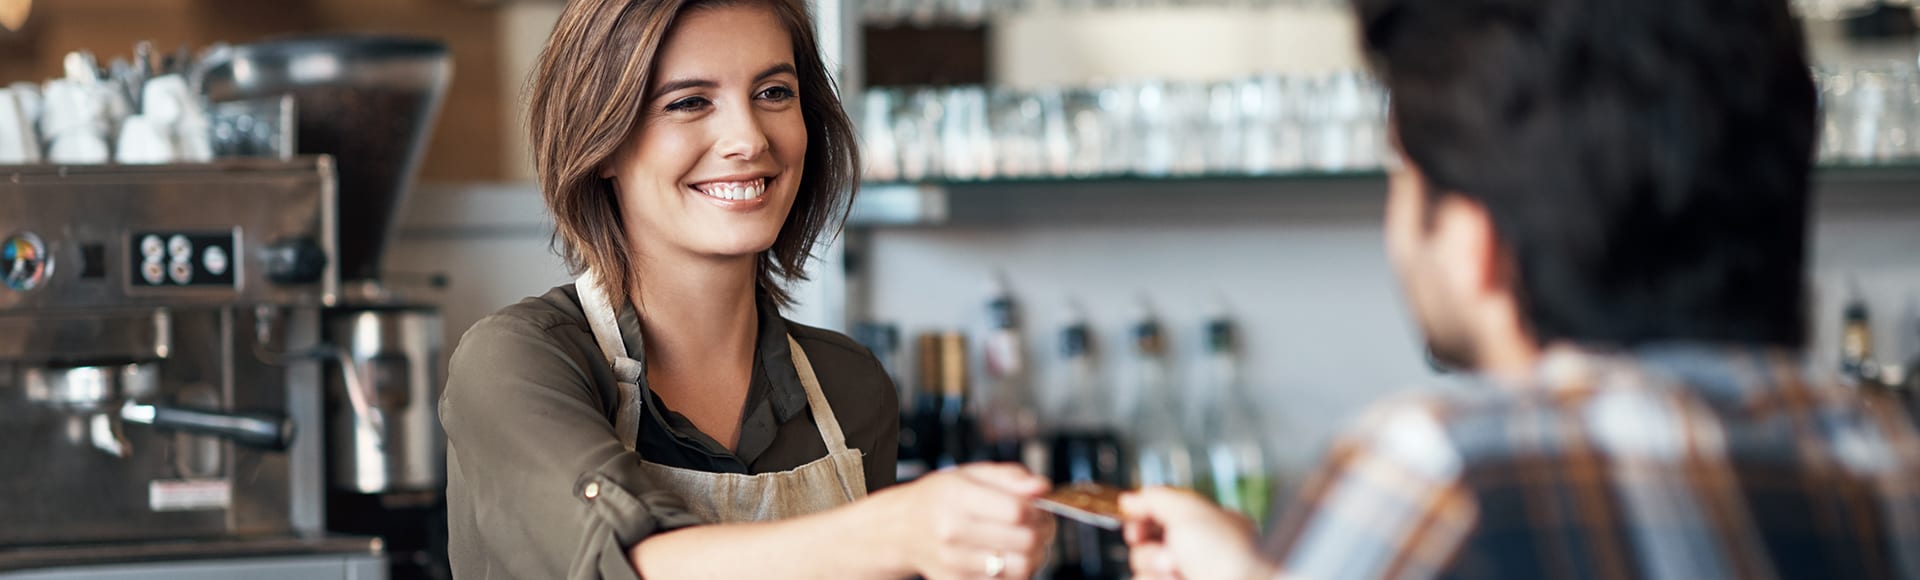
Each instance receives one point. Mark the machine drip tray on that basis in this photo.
(14, 559)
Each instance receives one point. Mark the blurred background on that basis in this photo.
(1166, 211)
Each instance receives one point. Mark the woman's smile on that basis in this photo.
(737, 193)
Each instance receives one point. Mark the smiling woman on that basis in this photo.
(660, 417)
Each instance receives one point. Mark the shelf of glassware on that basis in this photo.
(931, 203)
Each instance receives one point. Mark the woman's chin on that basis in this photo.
(741, 247)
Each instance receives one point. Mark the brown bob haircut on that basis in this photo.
(585, 100)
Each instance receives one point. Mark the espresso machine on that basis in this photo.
(370, 103)
(161, 360)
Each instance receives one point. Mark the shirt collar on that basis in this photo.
(1725, 372)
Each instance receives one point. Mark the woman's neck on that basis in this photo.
(701, 326)
(695, 310)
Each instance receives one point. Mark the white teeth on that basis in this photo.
(734, 190)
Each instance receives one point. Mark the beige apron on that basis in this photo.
(834, 480)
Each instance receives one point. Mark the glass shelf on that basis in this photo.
(930, 202)
(1105, 180)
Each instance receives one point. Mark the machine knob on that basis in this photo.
(24, 261)
(295, 261)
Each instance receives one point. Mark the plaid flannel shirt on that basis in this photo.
(1678, 463)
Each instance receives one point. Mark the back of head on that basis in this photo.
(1646, 163)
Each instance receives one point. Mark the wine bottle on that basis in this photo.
(883, 338)
(1163, 455)
(1084, 446)
(921, 433)
(1003, 405)
(1856, 343)
(1243, 479)
(956, 422)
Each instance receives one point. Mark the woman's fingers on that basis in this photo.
(996, 493)
(980, 564)
(984, 522)
(1008, 478)
(1001, 538)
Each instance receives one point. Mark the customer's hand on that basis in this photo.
(973, 521)
(1173, 533)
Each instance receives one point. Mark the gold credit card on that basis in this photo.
(1093, 504)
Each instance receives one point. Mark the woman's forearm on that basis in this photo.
(857, 540)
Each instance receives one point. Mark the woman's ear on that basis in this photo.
(617, 159)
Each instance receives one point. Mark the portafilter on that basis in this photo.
(108, 395)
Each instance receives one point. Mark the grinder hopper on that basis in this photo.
(369, 101)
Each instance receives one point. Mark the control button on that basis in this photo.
(25, 261)
(180, 248)
(214, 259)
(154, 273)
(93, 261)
(152, 248)
(295, 261)
(180, 272)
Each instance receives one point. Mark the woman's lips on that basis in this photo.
(735, 195)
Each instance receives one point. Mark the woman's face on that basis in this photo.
(715, 164)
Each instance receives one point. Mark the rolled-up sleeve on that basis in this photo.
(538, 484)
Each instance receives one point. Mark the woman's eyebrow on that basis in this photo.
(678, 84)
(697, 83)
(785, 67)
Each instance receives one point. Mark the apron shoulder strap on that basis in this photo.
(817, 401)
(603, 319)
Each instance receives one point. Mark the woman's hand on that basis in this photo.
(970, 522)
(1174, 533)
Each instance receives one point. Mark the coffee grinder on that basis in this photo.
(370, 102)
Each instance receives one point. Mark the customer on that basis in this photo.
(1602, 211)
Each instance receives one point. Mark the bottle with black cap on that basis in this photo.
(1162, 454)
(1242, 478)
(1084, 447)
(1004, 408)
(1856, 343)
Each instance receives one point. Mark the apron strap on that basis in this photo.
(604, 321)
(817, 401)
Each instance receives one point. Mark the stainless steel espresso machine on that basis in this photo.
(161, 359)
(370, 103)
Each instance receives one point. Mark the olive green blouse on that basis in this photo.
(528, 411)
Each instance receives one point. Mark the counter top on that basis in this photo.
(30, 557)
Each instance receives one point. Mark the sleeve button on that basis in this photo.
(592, 490)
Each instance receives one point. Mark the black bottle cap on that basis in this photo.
(1075, 340)
(1148, 337)
(1856, 311)
(1220, 336)
(1001, 312)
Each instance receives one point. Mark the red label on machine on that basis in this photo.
(189, 494)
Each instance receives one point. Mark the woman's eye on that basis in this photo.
(687, 104)
(776, 93)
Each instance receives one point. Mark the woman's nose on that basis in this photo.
(741, 136)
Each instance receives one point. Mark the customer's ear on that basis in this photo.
(1466, 245)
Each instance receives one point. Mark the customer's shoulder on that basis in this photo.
(1479, 422)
